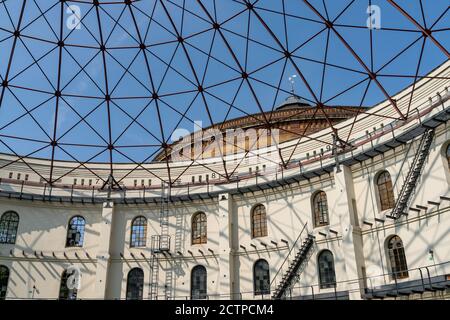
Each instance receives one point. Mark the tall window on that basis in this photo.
(75, 232)
(66, 292)
(320, 207)
(198, 283)
(4, 277)
(448, 156)
(327, 276)
(397, 258)
(259, 221)
(385, 190)
(261, 277)
(9, 222)
(138, 232)
(135, 284)
(199, 230)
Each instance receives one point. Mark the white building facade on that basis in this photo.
(329, 227)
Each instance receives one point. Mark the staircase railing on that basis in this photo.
(287, 262)
(414, 172)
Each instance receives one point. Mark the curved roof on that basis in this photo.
(112, 84)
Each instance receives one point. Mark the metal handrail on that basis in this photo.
(289, 254)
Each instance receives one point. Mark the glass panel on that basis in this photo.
(64, 292)
(320, 209)
(397, 258)
(9, 224)
(259, 221)
(198, 283)
(135, 284)
(139, 232)
(385, 191)
(75, 233)
(4, 277)
(326, 270)
(261, 278)
(199, 228)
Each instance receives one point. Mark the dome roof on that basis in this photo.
(293, 101)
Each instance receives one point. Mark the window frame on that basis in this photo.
(258, 221)
(447, 156)
(69, 294)
(136, 286)
(4, 286)
(327, 276)
(320, 209)
(138, 233)
(199, 228)
(9, 227)
(385, 190)
(79, 228)
(259, 290)
(398, 264)
(200, 290)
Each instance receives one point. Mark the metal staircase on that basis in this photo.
(414, 173)
(161, 245)
(294, 267)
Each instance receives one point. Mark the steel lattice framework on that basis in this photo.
(115, 86)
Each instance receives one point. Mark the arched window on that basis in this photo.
(199, 230)
(385, 191)
(327, 276)
(259, 221)
(75, 232)
(138, 232)
(135, 284)
(198, 283)
(4, 277)
(9, 222)
(261, 277)
(66, 291)
(448, 156)
(320, 207)
(397, 258)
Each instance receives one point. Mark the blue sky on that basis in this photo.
(180, 102)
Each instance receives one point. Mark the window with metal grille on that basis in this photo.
(385, 191)
(327, 276)
(135, 284)
(261, 277)
(320, 207)
(4, 277)
(75, 232)
(138, 232)
(259, 221)
(198, 283)
(9, 223)
(397, 258)
(199, 228)
(64, 292)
